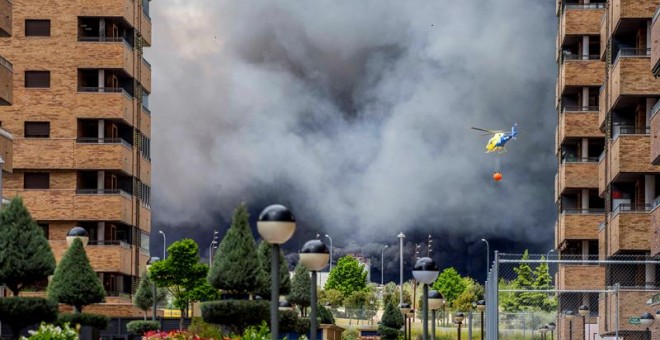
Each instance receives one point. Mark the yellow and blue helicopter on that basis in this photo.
(499, 139)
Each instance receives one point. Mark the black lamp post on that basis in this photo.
(584, 311)
(153, 284)
(458, 319)
(436, 300)
(543, 330)
(425, 272)
(77, 232)
(569, 314)
(552, 326)
(647, 321)
(405, 309)
(411, 320)
(314, 256)
(276, 225)
(481, 307)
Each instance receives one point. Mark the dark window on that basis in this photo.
(37, 129)
(44, 227)
(36, 180)
(37, 28)
(39, 79)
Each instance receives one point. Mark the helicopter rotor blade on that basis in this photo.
(486, 130)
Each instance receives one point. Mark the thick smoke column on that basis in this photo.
(356, 114)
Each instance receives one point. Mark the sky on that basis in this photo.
(356, 115)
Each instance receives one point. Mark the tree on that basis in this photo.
(26, 257)
(181, 273)
(543, 281)
(285, 280)
(331, 297)
(144, 296)
(473, 292)
(347, 276)
(75, 283)
(450, 284)
(390, 294)
(524, 280)
(301, 288)
(391, 323)
(237, 266)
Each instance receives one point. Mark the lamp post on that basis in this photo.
(330, 238)
(481, 307)
(436, 301)
(647, 321)
(569, 314)
(487, 254)
(405, 309)
(314, 256)
(77, 232)
(382, 267)
(213, 246)
(458, 319)
(276, 225)
(584, 311)
(411, 320)
(425, 272)
(164, 244)
(401, 236)
(153, 284)
(551, 327)
(543, 329)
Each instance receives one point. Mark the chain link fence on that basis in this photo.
(572, 297)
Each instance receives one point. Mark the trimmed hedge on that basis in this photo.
(20, 312)
(326, 316)
(84, 319)
(288, 321)
(237, 314)
(140, 327)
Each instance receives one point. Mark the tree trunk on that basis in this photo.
(14, 290)
(145, 315)
(183, 310)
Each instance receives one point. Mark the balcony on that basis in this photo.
(631, 9)
(7, 150)
(6, 81)
(145, 75)
(654, 234)
(116, 8)
(84, 153)
(632, 303)
(106, 53)
(628, 229)
(655, 134)
(629, 153)
(145, 171)
(630, 76)
(579, 224)
(104, 256)
(576, 277)
(105, 103)
(580, 72)
(5, 18)
(145, 121)
(655, 44)
(578, 121)
(145, 29)
(578, 173)
(581, 20)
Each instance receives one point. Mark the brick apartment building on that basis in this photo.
(74, 90)
(608, 152)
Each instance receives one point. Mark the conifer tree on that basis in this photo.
(25, 256)
(524, 280)
(237, 265)
(391, 323)
(144, 295)
(285, 280)
(75, 283)
(543, 281)
(301, 288)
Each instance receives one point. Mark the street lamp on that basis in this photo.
(569, 314)
(487, 255)
(330, 238)
(458, 319)
(77, 232)
(551, 327)
(382, 268)
(435, 302)
(543, 330)
(276, 225)
(401, 236)
(411, 319)
(405, 309)
(647, 320)
(153, 284)
(425, 272)
(584, 311)
(213, 246)
(314, 256)
(481, 307)
(164, 244)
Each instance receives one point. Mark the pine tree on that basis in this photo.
(144, 295)
(75, 283)
(285, 280)
(391, 323)
(26, 257)
(347, 276)
(237, 266)
(301, 288)
(524, 280)
(543, 281)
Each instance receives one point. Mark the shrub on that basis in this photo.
(288, 321)
(205, 329)
(350, 333)
(237, 314)
(257, 333)
(140, 327)
(20, 312)
(84, 319)
(391, 323)
(326, 316)
(53, 332)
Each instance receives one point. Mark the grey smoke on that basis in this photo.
(356, 114)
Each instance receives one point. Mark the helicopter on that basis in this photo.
(499, 139)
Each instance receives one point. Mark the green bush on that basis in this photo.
(326, 316)
(52, 332)
(257, 333)
(140, 327)
(84, 319)
(391, 323)
(204, 329)
(350, 333)
(236, 314)
(288, 321)
(20, 312)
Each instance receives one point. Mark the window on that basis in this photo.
(37, 79)
(36, 180)
(144, 145)
(44, 227)
(37, 129)
(37, 28)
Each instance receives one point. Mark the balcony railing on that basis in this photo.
(146, 109)
(580, 160)
(579, 108)
(148, 64)
(655, 107)
(585, 6)
(89, 89)
(122, 243)
(630, 130)
(633, 207)
(656, 202)
(587, 211)
(96, 140)
(579, 57)
(105, 39)
(4, 62)
(632, 52)
(103, 192)
(655, 16)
